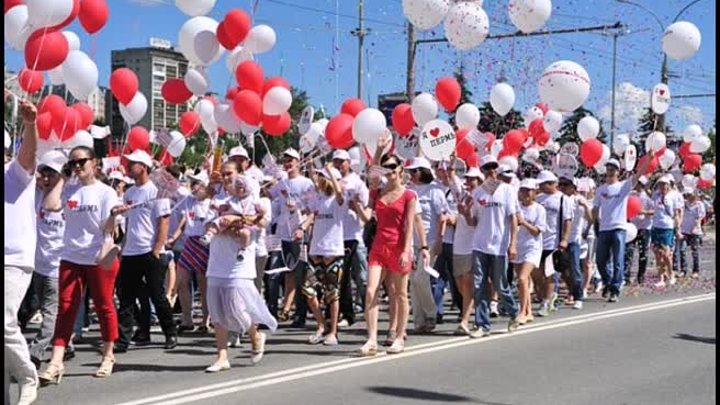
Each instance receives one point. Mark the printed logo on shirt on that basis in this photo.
(488, 204)
(323, 216)
(54, 223)
(73, 205)
(191, 214)
(608, 196)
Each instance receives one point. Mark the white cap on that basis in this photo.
(530, 184)
(292, 153)
(487, 159)
(613, 162)
(546, 176)
(239, 151)
(568, 177)
(116, 175)
(341, 154)
(53, 159)
(505, 170)
(418, 162)
(664, 179)
(140, 156)
(643, 180)
(474, 172)
(129, 181)
(8, 141)
(201, 177)
(333, 172)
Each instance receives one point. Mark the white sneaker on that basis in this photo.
(37, 318)
(28, 393)
(343, 323)
(235, 341)
(258, 351)
(217, 367)
(578, 305)
(673, 280)
(494, 309)
(480, 333)
(598, 287)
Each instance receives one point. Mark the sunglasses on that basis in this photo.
(78, 162)
(391, 166)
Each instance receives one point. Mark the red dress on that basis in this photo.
(389, 241)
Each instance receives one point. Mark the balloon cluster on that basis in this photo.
(695, 144)
(466, 23)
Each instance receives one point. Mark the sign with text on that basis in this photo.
(437, 140)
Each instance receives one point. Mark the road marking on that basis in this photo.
(244, 384)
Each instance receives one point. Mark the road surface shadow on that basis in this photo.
(436, 397)
(692, 338)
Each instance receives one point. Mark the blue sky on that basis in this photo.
(306, 51)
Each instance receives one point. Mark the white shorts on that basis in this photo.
(529, 256)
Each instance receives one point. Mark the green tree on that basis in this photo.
(490, 121)
(709, 156)
(646, 125)
(291, 138)
(568, 130)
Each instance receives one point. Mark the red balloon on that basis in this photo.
(250, 76)
(138, 138)
(536, 127)
(44, 124)
(473, 160)
(704, 184)
(189, 123)
(30, 80)
(513, 141)
(463, 147)
(591, 152)
(338, 132)
(231, 93)
(402, 119)
(124, 85)
(634, 206)
(490, 141)
(224, 38)
(447, 91)
(87, 115)
(276, 125)
(684, 149)
(542, 139)
(66, 128)
(12, 3)
(55, 105)
(93, 15)
(543, 107)
(237, 25)
(175, 91)
(352, 106)
(46, 50)
(660, 152)
(692, 163)
(654, 163)
(165, 158)
(274, 82)
(504, 152)
(248, 107)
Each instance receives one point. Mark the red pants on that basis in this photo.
(101, 284)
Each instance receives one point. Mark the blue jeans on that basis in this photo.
(291, 253)
(444, 266)
(576, 276)
(486, 267)
(611, 243)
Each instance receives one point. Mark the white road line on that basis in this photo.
(243, 384)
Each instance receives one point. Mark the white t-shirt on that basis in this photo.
(196, 214)
(665, 207)
(578, 222)
(181, 198)
(432, 202)
(693, 214)
(450, 196)
(462, 244)
(643, 221)
(527, 244)
(50, 230)
(284, 190)
(493, 213)
(353, 185)
(261, 240)
(612, 200)
(20, 217)
(87, 209)
(327, 234)
(551, 203)
(223, 261)
(142, 220)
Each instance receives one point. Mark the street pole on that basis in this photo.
(412, 47)
(360, 32)
(612, 113)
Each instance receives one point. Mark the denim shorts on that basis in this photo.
(663, 237)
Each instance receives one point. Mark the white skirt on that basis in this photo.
(528, 256)
(236, 305)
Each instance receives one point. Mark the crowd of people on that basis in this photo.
(263, 246)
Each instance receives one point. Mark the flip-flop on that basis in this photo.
(316, 339)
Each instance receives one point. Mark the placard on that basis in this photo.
(437, 140)
(566, 165)
(306, 118)
(571, 149)
(630, 157)
(660, 99)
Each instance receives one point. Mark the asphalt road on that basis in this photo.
(654, 347)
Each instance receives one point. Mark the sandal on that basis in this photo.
(331, 341)
(462, 330)
(52, 375)
(316, 339)
(391, 336)
(368, 349)
(284, 316)
(106, 367)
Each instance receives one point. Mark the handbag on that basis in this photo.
(562, 260)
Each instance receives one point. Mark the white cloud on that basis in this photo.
(630, 105)
(687, 115)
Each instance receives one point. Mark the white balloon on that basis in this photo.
(73, 40)
(177, 145)
(502, 98)
(689, 181)
(681, 40)
(588, 128)
(700, 145)
(510, 161)
(631, 232)
(552, 121)
(467, 116)
(655, 141)
(197, 80)
(56, 76)
(620, 144)
(667, 159)
(276, 101)
(205, 109)
(466, 26)
(197, 41)
(80, 74)
(424, 108)
(194, 8)
(236, 57)
(134, 111)
(226, 119)
(692, 132)
(43, 13)
(605, 155)
(564, 86)
(17, 29)
(425, 14)
(357, 160)
(707, 171)
(248, 130)
(600, 168)
(496, 148)
(260, 39)
(369, 125)
(531, 155)
(529, 15)
(533, 113)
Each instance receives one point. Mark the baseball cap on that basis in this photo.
(546, 176)
(116, 175)
(474, 172)
(333, 172)
(341, 154)
(201, 177)
(530, 184)
(292, 153)
(643, 180)
(53, 159)
(664, 179)
(239, 151)
(613, 162)
(487, 160)
(128, 181)
(505, 170)
(140, 156)
(418, 162)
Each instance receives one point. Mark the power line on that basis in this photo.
(330, 12)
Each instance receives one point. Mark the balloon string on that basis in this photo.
(93, 46)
